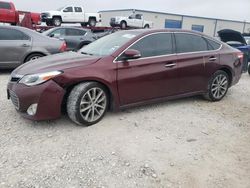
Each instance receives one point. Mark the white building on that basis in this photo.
(209, 26)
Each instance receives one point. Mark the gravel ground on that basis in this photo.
(182, 143)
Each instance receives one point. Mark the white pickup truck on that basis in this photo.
(70, 14)
(133, 21)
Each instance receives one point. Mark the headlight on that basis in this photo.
(35, 79)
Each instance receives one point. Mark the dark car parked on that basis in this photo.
(236, 40)
(19, 45)
(75, 38)
(124, 69)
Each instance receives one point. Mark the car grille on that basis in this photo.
(14, 98)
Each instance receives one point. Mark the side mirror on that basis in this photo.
(131, 54)
(52, 35)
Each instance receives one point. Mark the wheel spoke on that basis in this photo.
(99, 106)
(83, 110)
(92, 113)
(87, 115)
(89, 96)
(99, 95)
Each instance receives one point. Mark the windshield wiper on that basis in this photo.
(85, 53)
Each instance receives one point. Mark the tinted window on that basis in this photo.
(68, 9)
(12, 34)
(213, 45)
(154, 45)
(75, 32)
(4, 5)
(58, 32)
(138, 16)
(78, 9)
(190, 43)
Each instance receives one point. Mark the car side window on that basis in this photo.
(58, 32)
(138, 16)
(78, 9)
(212, 45)
(68, 9)
(5, 5)
(190, 43)
(154, 45)
(75, 32)
(12, 34)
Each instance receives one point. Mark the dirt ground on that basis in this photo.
(183, 143)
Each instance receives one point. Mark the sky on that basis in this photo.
(223, 9)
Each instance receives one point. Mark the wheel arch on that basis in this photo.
(92, 17)
(229, 72)
(68, 89)
(31, 53)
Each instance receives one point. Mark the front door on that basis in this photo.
(151, 76)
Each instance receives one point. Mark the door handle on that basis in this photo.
(211, 59)
(170, 65)
(25, 45)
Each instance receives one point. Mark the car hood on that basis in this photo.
(227, 35)
(53, 12)
(56, 62)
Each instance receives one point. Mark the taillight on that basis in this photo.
(63, 47)
(240, 59)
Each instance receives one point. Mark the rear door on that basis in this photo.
(78, 14)
(151, 76)
(192, 51)
(14, 45)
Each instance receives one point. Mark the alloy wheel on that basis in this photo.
(93, 104)
(219, 86)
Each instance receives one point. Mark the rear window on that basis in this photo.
(78, 9)
(12, 34)
(4, 5)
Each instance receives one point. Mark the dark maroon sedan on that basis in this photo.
(124, 69)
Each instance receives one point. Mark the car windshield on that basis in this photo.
(109, 44)
(59, 9)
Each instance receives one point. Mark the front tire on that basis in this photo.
(123, 25)
(56, 21)
(218, 86)
(87, 103)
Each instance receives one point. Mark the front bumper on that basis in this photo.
(48, 96)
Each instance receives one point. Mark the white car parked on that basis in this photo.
(134, 21)
(70, 14)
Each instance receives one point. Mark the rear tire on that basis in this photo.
(33, 57)
(92, 22)
(217, 86)
(248, 69)
(87, 103)
(146, 26)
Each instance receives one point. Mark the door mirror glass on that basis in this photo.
(131, 54)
